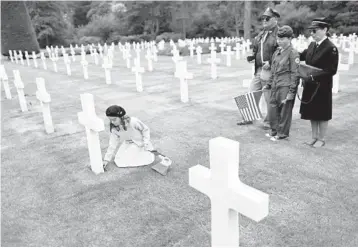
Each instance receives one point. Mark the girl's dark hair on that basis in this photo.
(116, 111)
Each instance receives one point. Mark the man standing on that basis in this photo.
(264, 46)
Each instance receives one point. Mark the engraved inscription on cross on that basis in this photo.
(228, 195)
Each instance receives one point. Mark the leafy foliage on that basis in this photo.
(112, 21)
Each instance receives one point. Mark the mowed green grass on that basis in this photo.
(49, 197)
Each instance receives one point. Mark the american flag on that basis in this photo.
(248, 107)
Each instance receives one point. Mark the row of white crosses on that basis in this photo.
(41, 95)
(228, 195)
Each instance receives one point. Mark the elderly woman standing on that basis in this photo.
(316, 102)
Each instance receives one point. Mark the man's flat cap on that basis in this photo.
(271, 12)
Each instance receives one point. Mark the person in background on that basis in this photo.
(264, 46)
(316, 103)
(283, 84)
(136, 147)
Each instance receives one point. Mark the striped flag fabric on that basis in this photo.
(248, 107)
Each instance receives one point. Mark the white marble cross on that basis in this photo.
(228, 195)
(199, 51)
(176, 56)
(34, 58)
(137, 69)
(138, 50)
(107, 69)
(43, 58)
(161, 45)
(228, 54)
(54, 59)
(73, 54)
(183, 74)
(100, 49)
(237, 49)
(67, 63)
(127, 57)
(21, 58)
(149, 56)
(15, 56)
(20, 90)
(95, 56)
(5, 82)
(243, 48)
(335, 88)
(351, 53)
(212, 47)
(213, 61)
(45, 99)
(154, 52)
(341, 66)
(248, 44)
(191, 49)
(11, 56)
(56, 52)
(222, 46)
(48, 50)
(84, 64)
(27, 58)
(63, 51)
(93, 126)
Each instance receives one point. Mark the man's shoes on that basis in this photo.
(270, 135)
(277, 138)
(241, 123)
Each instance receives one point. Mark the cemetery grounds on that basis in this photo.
(50, 197)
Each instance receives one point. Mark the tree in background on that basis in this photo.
(17, 32)
(114, 21)
(247, 20)
(79, 16)
(297, 17)
(49, 22)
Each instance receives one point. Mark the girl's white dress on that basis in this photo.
(131, 153)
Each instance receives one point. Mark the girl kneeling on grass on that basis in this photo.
(136, 147)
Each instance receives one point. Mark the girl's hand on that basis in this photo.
(145, 145)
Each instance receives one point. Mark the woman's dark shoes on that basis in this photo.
(311, 143)
(241, 123)
(319, 143)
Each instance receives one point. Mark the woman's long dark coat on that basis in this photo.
(325, 57)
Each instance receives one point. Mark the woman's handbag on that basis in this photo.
(305, 71)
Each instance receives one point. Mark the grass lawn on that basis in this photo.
(49, 197)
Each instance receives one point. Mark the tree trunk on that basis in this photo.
(184, 28)
(247, 20)
(17, 32)
(157, 26)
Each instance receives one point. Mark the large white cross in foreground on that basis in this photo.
(227, 194)
(93, 125)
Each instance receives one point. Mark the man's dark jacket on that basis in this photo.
(269, 46)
